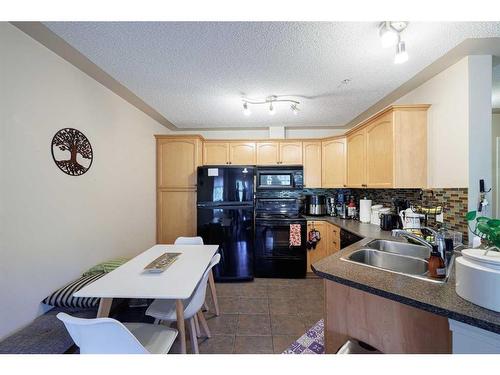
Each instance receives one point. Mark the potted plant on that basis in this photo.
(485, 228)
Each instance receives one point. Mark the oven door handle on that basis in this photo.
(275, 225)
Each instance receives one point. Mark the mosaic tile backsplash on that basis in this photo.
(453, 200)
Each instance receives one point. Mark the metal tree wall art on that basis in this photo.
(72, 151)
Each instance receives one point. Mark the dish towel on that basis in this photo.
(295, 239)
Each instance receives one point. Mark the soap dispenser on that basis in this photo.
(437, 267)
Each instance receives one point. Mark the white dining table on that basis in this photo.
(177, 282)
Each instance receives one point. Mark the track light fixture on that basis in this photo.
(390, 35)
(271, 101)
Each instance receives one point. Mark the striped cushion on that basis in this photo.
(107, 266)
(63, 297)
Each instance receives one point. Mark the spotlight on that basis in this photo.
(246, 110)
(401, 54)
(272, 111)
(388, 36)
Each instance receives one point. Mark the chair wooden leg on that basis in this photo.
(213, 291)
(194, 339)
(197, 325)
(180, 324)
(203, 323)
(205, 306)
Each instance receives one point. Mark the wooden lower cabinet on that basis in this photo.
(329, 243)
(176, 215)
(387, 325)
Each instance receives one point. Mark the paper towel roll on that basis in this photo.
(365, 210)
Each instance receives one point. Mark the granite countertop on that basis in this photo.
(440, 299)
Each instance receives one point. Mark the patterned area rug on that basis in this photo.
(311, 342)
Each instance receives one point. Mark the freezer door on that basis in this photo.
(232, 228)
(225, 184)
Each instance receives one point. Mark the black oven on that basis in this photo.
(275, 211)
(274, 257)
(280, 178)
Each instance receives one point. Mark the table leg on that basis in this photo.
(104, 307)
(180, 324)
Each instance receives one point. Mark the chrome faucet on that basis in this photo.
(405, 234)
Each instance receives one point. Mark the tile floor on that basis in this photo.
(263, 316)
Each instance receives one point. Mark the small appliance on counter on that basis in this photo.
(400, 204)
(410, 219)
(341, 207)
(315, 205)
(390, 221)
(365, 210)
(331, 209)
(375, 219)
(352, 210)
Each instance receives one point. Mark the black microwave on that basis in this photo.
(285, 178)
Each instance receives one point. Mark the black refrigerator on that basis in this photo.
(225, 214)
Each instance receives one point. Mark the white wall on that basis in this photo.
(264, 133)
(495, 133)
(480, 162)
(53, 226)
(448, 124)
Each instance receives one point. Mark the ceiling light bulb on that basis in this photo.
(401, 54)
(272, 111)
(246, 110)
(388, 36)
(294, 108)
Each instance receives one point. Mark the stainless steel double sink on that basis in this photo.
(394, 256)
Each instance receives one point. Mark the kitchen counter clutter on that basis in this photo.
(436, 298)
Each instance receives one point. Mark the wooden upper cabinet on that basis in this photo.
(312, 163)
(290, 153)
(177, 161)
(333, 165)
(215, 153)
(267, 153)
(242, 153)
(279, 153)
(379, 138)
(356, 159)
(410, 148)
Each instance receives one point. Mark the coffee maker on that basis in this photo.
(400, 204)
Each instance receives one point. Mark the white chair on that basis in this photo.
(211, 281)
(165, 309)
(109, 336)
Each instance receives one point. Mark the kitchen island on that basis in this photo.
(394, 313)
